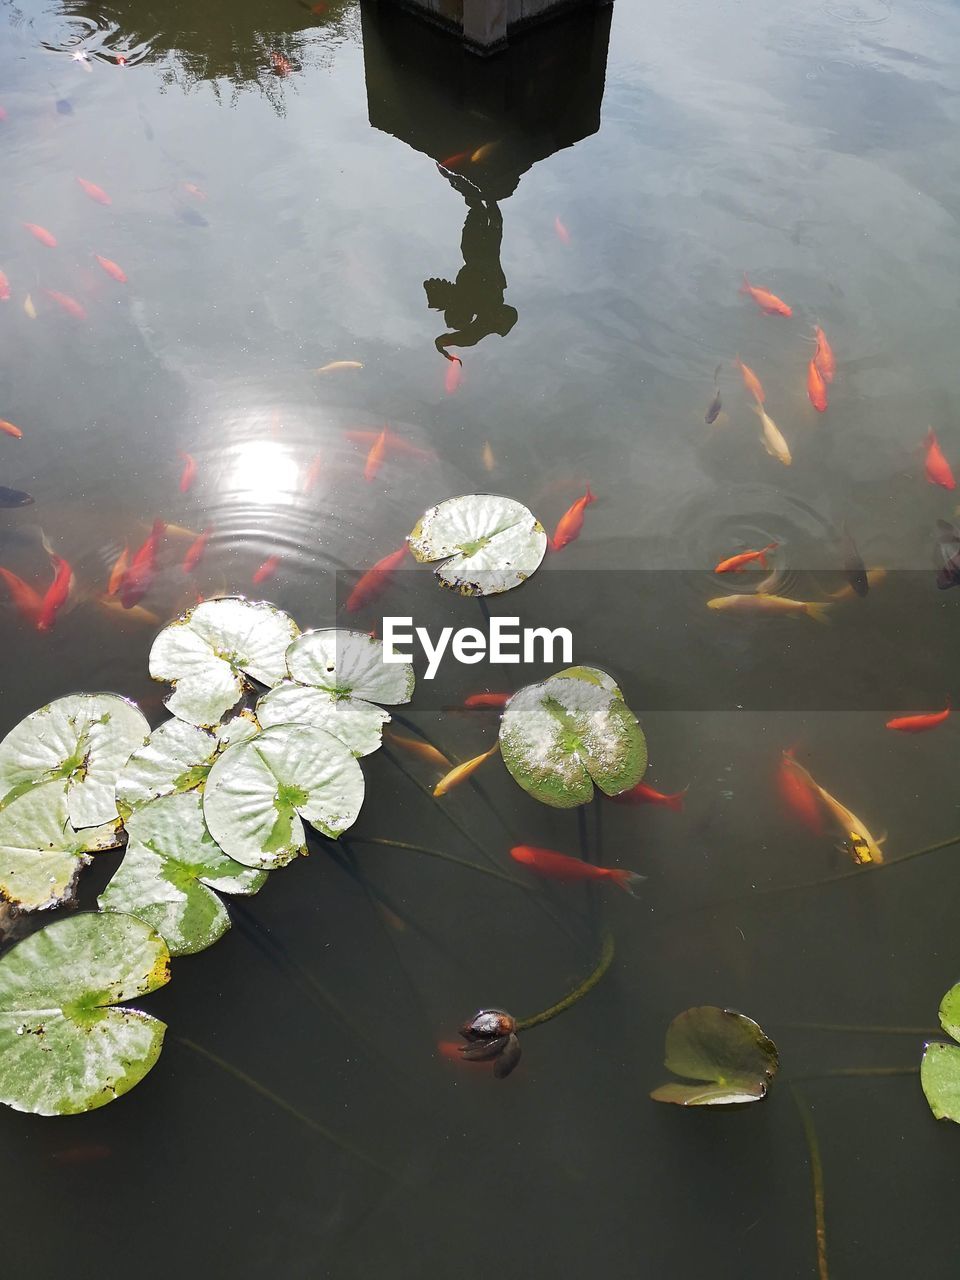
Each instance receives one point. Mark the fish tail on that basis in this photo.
(818, 612)
(675, 802)
(744, 288)
(589, 497)
(629, 881)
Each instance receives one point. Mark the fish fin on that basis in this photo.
(589, 497)
(818, 612)
(629, 881)
(675, 802)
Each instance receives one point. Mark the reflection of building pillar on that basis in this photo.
(485, 22)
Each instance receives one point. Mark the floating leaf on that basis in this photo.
(237, 729)
(176, 757)
(725, 1050)
(337, 676)
(574, 729)
(169, 872)
(84, 739)
(489, 544)
(63, 1046)
(41, 853)
(940, 1067)
(259, 790)
(208, 653)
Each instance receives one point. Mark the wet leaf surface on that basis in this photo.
(488, 544)
(726, 1052)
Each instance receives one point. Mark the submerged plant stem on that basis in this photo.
(608, 948)
(288, 1107)
(437, 853)
(816, 1173)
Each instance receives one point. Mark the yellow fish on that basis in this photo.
(761, 603)
(336, 365)
(463, 771)
(29, 308)
(489, 460)
(422, 750)
(857, 840)
(481, 153)
(136, 614)
(772, 437)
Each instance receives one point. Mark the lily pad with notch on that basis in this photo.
(729, 1056)
(940, 1066)
(488, 544)
(176, 757)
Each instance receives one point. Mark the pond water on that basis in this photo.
(276, 207)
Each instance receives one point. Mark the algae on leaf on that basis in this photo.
(176, 757)
(488, 544)
(725, 1051)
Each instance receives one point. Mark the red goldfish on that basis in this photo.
(751, 381)
(571, 522)
(112, 269)
(823, 357)
(56, 594)
(42, 234)
(136, 581)
(797, 793)
(563, 235)
(816, 387)
(281, 65)
(452, 162)
(736, 564)
(494, 700)
(94, 192)
(557, 866)
(70, 305)
(266, 570)
(919, 723)
(454, 373)
(375, 579)
(642, 794)
(27, 602)
(9, 429)
(375, 457)
(189, 473)
(936, 466)
(766, 301)
(195, 551)
(117, 572)
(4, 287)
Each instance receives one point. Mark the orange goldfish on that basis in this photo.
(642, 794)
(736, 564)
(375, 580)
(798, 796)
(857, 840)
(488, 700)
(557, 866)
(112, 269)
(189, 473)
(192, 189)
(4, 287)
(266, 570)
(767, 604)
(375, 457)
(766, 301)
(136, 581)
(816, 387)
(751, 381)
(823, 357)
(69, 304)
(94, 192)
(42, 234)
(195, 550)
(118, 571)
(563, 235)
(27, 602)
(936, 466)
(282, 66)
(422, 750)
(459, 773)
(571, 522)
(56, 594)
(394, 443)
(454, 374)
(919, 723)
(9, 429)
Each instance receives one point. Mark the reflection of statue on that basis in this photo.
(473, 305)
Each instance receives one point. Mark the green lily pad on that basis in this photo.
(169, 872)
(337, 678)
(209, 653)
(176, 757)
(259, 790)
(85, 740)
(41, 853)
(488, 544)
(574, 729)
(64, 1048)
(237, 729)
(725, 1050)
(940, 1066)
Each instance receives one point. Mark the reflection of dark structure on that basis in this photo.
(484, 123)
(485, 26)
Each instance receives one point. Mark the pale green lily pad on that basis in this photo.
(169, 871)
(357, 724)
(64, 1048)
(84, 739)
(41, 853)
(258, 791)
(940, 1067)
(489, 544)
(209, 652)
(237, 729)
(726, 1051)
(574, 729)
(176, 757)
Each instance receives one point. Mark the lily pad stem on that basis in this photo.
(608, 949)
(816, 1173)
(437, 853)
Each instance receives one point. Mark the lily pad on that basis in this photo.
(940, 1067)
(337, 677)
(725, 1050)
(237, 729)
(169, 871)
(41, 853)
(259, 790)
(209, 653)
(176, 757)
(64, 1048)
(85, 740)
(572, 730)
(488, 544)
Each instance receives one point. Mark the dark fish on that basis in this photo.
(713, 410)
(192, 217)
(855, 571)
(64, 107)
(14, 498)
(949, 548)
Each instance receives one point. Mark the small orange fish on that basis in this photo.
(266, 570)
(459, 773)
(27, 602)
(798, 795)
(282, 66)
(4, 287)
(571, 522)
(312, 474)
(488, 700)
(642, 794)
(112, 269)
(736, 564)
(451, 382)
(9, 429)
(422, 750)
(751, 381)
(69, 304)
(816, 387)
(42, 234)
(336, 366)
(767, 302)
(823, 357)
(563, 235)
(56, 594)
(919, 723)
(936, 466)
(375, 580)
(136, 581)
(454, 161)
(394, 443)
(375, 457)
(557, 866)
(481, 153)
(189, 473)
(94, 192)
(118, 571)
(192, 189)
(195, 550)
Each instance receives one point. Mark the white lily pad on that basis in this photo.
(209, 652)
(237, 729)
(258, 791)
(561, 736)
(358, 724)
(84, 739)
(169, 871)
(489, 544)
(726, 1052)
(41, 853)
(64, 1048)
(176, 757)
